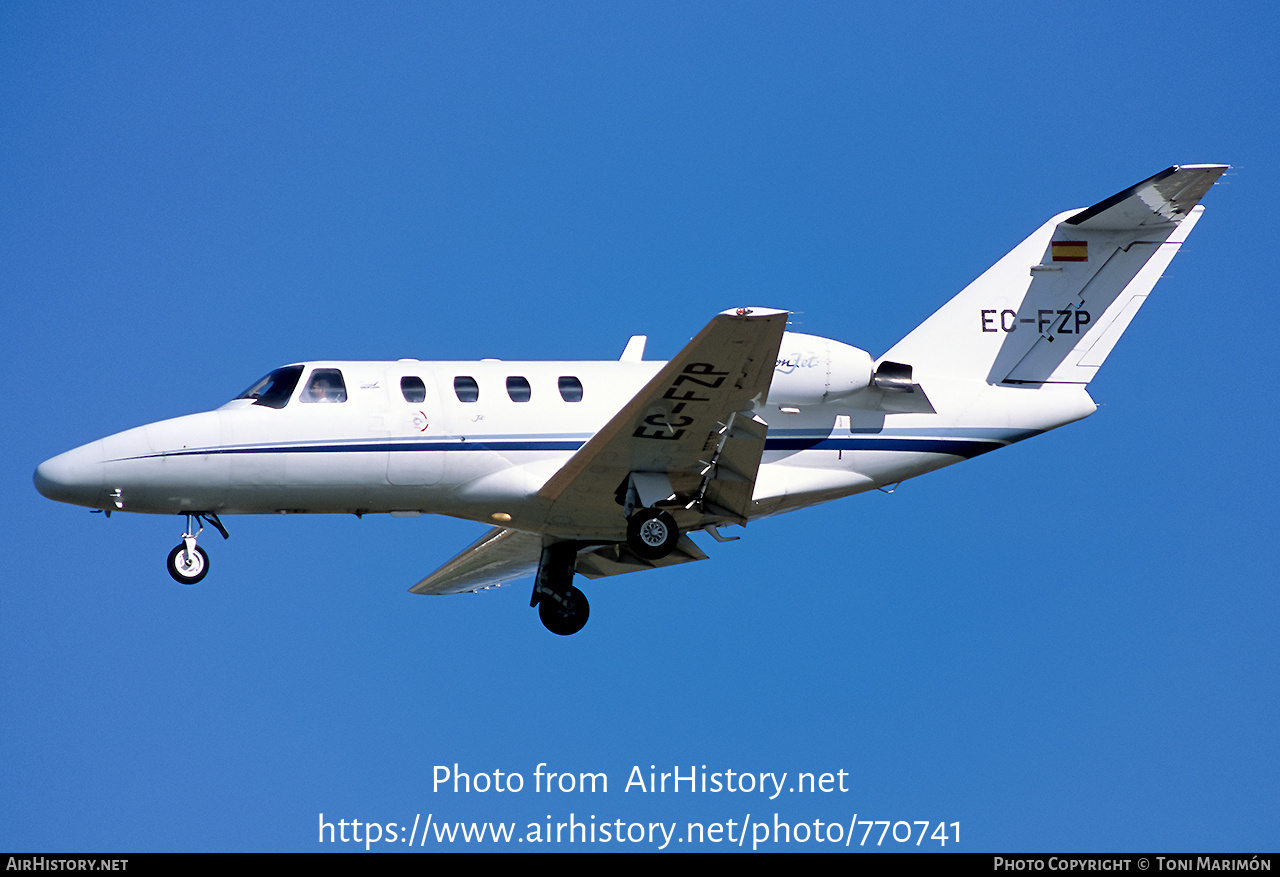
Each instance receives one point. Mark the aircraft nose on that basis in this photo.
(74, 477)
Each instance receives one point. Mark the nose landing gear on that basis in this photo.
(188, 563)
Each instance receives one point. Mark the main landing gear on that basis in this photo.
(562, 608)
(188, 562)
(652, 533)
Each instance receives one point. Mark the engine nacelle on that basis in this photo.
(812, 370)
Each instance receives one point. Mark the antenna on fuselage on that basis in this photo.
(634, 351)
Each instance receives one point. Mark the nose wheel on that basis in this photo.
(188, 563)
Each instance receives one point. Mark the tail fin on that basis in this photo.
(1050, 311)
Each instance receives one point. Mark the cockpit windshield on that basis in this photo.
(275, 389)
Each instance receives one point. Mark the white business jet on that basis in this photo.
(602, 468)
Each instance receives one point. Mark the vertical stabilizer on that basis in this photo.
(1051, 310)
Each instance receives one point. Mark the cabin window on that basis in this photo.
(275, 389)
(326, 385)
(466, 388)
(518, 389)
(570, 389)
(413, 389)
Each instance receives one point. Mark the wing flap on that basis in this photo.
(616, 559)
(731, 479)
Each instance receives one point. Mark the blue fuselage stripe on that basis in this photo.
(960, 447)
(955, 447)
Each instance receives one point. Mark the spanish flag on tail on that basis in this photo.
(1069, 251)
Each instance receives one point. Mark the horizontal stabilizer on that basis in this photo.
(1165, 198)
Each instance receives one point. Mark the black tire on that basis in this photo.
(565, 612)
(188, 571)
(652, 533)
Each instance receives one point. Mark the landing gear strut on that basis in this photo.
(188, 562)
(562, 607)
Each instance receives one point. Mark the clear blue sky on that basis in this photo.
(1066, 645)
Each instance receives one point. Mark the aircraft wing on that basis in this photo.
(501, 555)
(688, 442)
(495, 558)
(615, 559)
